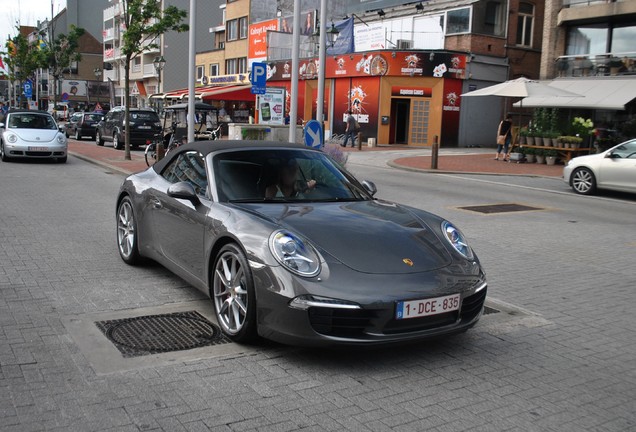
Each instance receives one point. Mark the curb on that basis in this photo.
(117, 169)
(392, 164)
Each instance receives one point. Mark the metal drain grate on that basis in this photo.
(500, 208)
(154, 334)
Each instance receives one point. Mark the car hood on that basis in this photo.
(35, 135)
(367, 236)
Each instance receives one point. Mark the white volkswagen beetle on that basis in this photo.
(614, 169)
(31, 134)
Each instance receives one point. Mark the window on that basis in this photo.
(458, 21)
(214, 69)
(525, 21)
(200, 72)
(242, 65)
(625, 151)
(243, 28)
(188, 167)
(489, 17)
(231, 66)
(231, 32)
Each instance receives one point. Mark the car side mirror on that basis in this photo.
(370, 187)
(1, 125)
(60, 128)
(612, 155)
(184, 190)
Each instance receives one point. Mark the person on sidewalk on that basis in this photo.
(504, 136)
(350, 130)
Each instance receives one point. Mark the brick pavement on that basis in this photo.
(466, 163)
(569, 369)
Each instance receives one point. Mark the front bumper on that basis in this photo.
(374, 323)
(39, 151)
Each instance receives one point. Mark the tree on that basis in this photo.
(21, 58)
(144, 22)
(60, 53)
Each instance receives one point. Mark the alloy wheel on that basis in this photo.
(231, 292)
(127, 232)
(583, 181)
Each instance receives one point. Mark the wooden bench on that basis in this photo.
(564, 153)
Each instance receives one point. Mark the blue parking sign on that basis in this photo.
(27, 87)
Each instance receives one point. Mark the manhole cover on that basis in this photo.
(153, 334)
(500, 208)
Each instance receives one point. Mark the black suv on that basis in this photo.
(144, 126)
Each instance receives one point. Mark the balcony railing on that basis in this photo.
(108, 33)
(609, 64)
(149, 70)
(580, 3)
(112, 74)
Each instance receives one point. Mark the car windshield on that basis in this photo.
(31, 121)
(283, 175)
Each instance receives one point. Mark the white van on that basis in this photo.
(59, 111)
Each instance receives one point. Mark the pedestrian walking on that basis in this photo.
(350, 130)
(504, 136)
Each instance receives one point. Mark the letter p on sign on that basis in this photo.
(259, 74)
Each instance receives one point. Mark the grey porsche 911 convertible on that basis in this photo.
(291, 247)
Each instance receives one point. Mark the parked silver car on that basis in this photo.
(614, 169)
(31, 134)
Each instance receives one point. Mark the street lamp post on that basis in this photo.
(159, 62)
(98, 75)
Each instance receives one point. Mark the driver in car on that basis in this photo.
(288, 185)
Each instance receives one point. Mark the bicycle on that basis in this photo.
(150, 154)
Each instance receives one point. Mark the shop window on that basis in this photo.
(525, 23)
(231, 31)
(458, 21)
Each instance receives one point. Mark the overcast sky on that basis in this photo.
(25, 12)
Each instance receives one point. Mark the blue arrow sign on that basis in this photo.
(313, 134)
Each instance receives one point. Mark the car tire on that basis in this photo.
(98, 139)
(78, 135)
(583, 181)
(3, 155)
(233, 295)
(116, 143)
(127, 239)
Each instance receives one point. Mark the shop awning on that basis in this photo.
(598, 93)
(229, 92)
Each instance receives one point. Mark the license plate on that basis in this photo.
(427, 307)
(38, 149)
(144, 127)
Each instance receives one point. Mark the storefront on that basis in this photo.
(398, 97)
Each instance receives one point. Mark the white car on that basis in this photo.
(614, 169)
(31, 134)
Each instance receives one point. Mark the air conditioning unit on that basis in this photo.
(404, 44)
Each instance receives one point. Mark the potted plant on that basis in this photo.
(540, 156)
(547, 140)
(529, 152)
(516, 154)
(551, 157)
(565, 141)
(523, 136)
(575, 142)
(554, 138)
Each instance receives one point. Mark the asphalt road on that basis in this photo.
(559, 355)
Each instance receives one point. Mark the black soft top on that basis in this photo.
(211, 146)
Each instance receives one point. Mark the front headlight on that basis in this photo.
(12, 138)
(457, 239)
(61, 139)
(294, 254)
